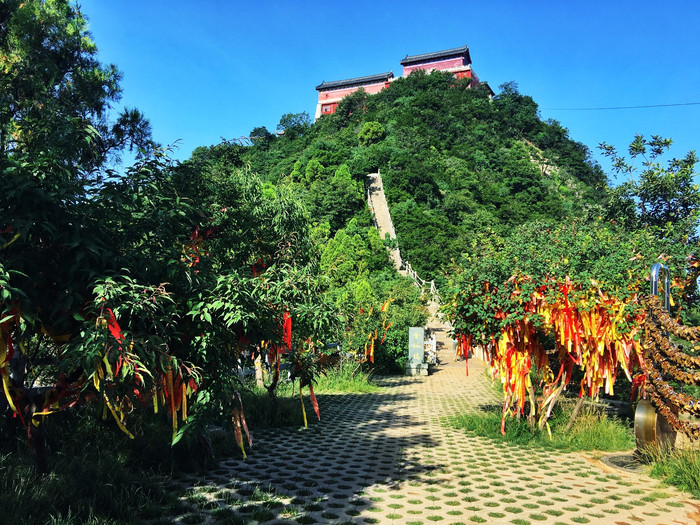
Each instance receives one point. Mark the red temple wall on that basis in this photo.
(337, 94)
(329, 108)
(439, 64)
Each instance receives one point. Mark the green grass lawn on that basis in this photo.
(593, 429)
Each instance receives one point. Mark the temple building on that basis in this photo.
(330, 93)
(456, 61)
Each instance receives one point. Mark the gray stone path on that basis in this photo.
(382, 218)
(387, 457)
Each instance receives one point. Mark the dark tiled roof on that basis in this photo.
(359, 81)
(438, 55)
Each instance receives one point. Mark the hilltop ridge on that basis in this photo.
(456, 163)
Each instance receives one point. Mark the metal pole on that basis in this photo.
(658, 270)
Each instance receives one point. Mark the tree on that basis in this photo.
(373, 301)
(565, 299)
(518, 114)
(371, 132)
(337, 199)
(261, 137)
(666, 199)
(133, 291)
(55, 95)
(580, 287)
(65, 250)
(314, 170)
(148, 299)
(294, 125)
(349, 110)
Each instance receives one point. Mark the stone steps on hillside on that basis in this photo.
(382, 217)
(441, 329)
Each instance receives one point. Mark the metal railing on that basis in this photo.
(422, 283)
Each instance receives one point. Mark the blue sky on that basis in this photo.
(202, 70)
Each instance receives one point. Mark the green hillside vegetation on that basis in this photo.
(454, 164)
(457, 167)
(350, 262)
(483, 188)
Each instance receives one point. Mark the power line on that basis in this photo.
(625, 107)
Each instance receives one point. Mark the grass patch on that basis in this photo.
(680, 468)
(593, 429)
(95, 475)
(265, 411)
(346, 377)
(282, 409)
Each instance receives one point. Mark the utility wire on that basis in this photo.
(625, 107)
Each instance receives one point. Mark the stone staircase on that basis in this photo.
(382, 221)
(441, 329)
(382, 218)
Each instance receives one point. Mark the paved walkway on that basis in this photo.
(387, 457)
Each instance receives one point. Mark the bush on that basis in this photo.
(371, 132)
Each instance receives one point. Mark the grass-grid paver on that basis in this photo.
(388, 457)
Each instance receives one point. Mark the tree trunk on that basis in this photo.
(555, 396)
(532, 418)
(258, 370)
(506, 404)
(577, 408)
(544, 417)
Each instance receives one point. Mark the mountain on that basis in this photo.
(456, 163)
